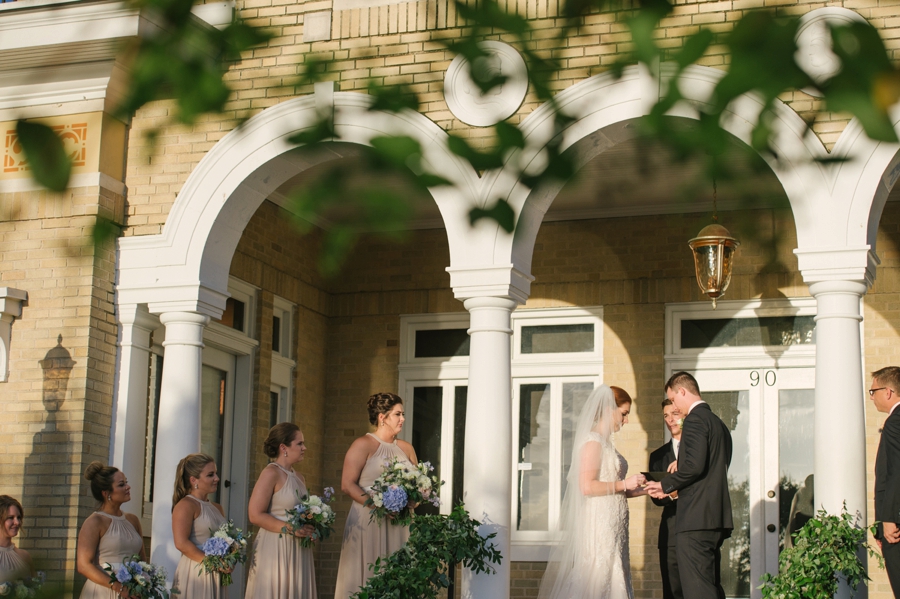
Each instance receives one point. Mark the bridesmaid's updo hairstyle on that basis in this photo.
(381, 403)
(7, 502)
(189, 466)
(101, 478)
(621, 395)
(280, 434)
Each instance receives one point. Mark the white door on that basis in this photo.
(770, 414)
(217, 416)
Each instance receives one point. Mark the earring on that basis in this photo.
(285, 454)
(196, 486)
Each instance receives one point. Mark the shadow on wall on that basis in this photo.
(46, 469)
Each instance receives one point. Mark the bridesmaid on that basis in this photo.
(15, 563)
(108, 535)
(280, 568)
(194, 520)
(366, 541)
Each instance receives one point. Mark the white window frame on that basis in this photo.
(283, 364)
(453, 371)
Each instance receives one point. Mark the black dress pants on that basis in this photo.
(668, 566)
(699, 561)
(891, 553)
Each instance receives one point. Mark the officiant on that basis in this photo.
(665, 459)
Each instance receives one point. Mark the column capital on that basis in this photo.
(495, 281)
(838, 264)
(184, 328)
(136, 315)
(11, 301)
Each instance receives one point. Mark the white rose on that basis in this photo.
(314, 500)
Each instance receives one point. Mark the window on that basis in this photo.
(283, 366)
(240, 308)
(556, 363)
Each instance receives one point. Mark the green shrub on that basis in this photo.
(436, 545)
(824, 550)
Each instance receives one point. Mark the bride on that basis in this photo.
(591, 559)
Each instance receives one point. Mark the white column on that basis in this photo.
(840, 423)
(178, 431)
(488, 460)
(129, 425)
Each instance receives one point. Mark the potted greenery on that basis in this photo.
(824, 551)
(420, 570)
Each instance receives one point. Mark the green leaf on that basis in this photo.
(501, 212)
(46, 155)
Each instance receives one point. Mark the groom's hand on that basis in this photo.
(654, 489)
(891, 532)
(673, 467)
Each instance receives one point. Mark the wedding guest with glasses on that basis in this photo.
(883, 391)
(15, 563)
(108, 535)
(194, 520)
(364, 540)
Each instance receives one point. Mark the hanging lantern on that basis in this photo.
(713, 251)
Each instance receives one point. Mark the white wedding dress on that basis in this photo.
(592, 560)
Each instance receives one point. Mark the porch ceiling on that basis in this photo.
(632, 178)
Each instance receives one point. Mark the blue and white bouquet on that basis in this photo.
(224, 550)
(26, 588)
(141, 579)
(401, 486)
(315, 511)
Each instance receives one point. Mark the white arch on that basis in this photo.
(600, 103)
(186, 266)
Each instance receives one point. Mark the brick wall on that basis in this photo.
(58, 397)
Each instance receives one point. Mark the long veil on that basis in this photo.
(572, 569)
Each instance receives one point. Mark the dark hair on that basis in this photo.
(381, 403)
(667, 402)
(282, 433)
(684, 380)
(7, 502)
(889, 376)
(189, 466)
(101, 478)
(621, 396)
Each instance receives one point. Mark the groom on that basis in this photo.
(704, 506)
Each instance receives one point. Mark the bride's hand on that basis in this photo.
(635, 481)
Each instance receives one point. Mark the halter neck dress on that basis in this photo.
(190, 579)
(121, 540)
(13, 565)
(280, 568)
(365, 540)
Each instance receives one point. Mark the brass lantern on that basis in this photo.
(713, 250)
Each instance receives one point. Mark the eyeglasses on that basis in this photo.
(872, 391)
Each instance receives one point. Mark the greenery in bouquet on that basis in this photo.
(26, 588)
(314, 511)
(224, 550)
(437, 544)
(400, 487)
(141, 579)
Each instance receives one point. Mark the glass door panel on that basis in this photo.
(212, 417)
(796, 427)
(733, 407)
(460, 399)
(573, 397)
(426, 432)
(533, 456)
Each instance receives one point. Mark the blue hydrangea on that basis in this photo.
(395, 499)
(122, 574)
(216, 546)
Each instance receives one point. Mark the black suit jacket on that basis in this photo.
(702, 477)
(887, 472)
(659, 462)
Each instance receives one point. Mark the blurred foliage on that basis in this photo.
(185, 60)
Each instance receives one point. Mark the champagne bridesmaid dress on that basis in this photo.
(280, 568)
(120, 541)
(191, 581)
(13, 566)
(365, 540)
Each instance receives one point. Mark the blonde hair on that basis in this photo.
(191, 465)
